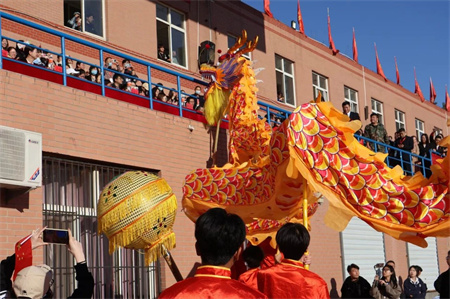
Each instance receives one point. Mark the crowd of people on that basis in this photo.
(121, 76)
(408, 144)
(220, 239)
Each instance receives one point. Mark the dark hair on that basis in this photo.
(161, 46)
(7, 43)
(253, 256)
(28, 49)
(375, 114)
(125, 60)
(417, 268)
(426, 136)
(293, 240)
(107, 58)
(401, 130)
(116, 76)
(390, 261)
(393, 275)
(219, 235)
(351, 266)
(346, 103)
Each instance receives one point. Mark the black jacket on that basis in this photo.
(411, 290)
(355, 289)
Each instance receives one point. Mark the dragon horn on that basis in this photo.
(250, 46)
(239, 43)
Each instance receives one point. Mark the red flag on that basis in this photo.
(267, 8)
(379, 68)
(355, 49)
(24, 255)
(432, 92)
(301, 28)
(396, 71)
(447, 100)
(417, 90)
(330, 39)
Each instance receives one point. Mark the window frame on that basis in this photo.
(292, 76)
(325, 96)
(398, 121)
(83, 14)
(169, 23)
(419, 131)
(380, 113)
(353, 104)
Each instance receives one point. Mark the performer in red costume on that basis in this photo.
(219, 236)
(289, 279)
(253, 256)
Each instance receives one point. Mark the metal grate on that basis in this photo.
(12, 155)
(71, 190)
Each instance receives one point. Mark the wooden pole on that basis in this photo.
(172, 265)
(216, 141)
(305, 211)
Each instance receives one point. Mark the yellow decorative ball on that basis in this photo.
(137, 211)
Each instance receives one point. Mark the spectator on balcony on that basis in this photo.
(79, 66)
(12, 53)
(5, 46)
(436, 147)
(75, 22)
(89, 25)
(31, 53)
(346, 110)
(162, 55)
(199, 100)
(190, 102)
(157, 90)
(119, 82)
(183, 98)
(93, 73)
(20, 50)
(172, 97)
(406, 144)
(145, 89)
(69, 63)
(424, 151)
(377, 132)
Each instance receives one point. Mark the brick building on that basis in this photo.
(88, 138)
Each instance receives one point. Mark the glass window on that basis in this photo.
(171, 35)
(320, 84)
(420, 128)
(232, 40)
(285, 80)
(399, 120)
(351, 96)
(377, 107)
(85, 16)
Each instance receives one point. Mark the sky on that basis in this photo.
(416, 32)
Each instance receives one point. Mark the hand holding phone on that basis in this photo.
(56, 236)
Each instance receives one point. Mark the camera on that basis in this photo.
(377, 268)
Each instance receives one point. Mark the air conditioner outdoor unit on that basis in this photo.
(20, 158)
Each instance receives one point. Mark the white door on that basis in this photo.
(427, 259)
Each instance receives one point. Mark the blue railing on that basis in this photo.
(274, 115)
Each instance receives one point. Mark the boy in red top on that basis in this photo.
(253, 256)
(289, 279)
(219, 237)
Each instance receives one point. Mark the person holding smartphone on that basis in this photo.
(387, 286)
(36, 281)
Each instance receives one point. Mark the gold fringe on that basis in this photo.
(157, 249)
(141, 226)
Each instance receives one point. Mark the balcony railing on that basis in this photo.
(408, 161)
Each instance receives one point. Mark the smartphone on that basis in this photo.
(56, 236)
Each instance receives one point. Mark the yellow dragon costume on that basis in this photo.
(315, 149)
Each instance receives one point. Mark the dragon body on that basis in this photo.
(314, 148)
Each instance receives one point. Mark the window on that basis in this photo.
(425, 256)
(171, 34)
(70, 193)
(320, 83)
(420, 128)
(232, 40)
(351, 96)
(399, 120)
(285, 80)
(85, 16)
(377, 107)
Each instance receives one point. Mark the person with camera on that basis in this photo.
(387, 286)
(35, 281)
